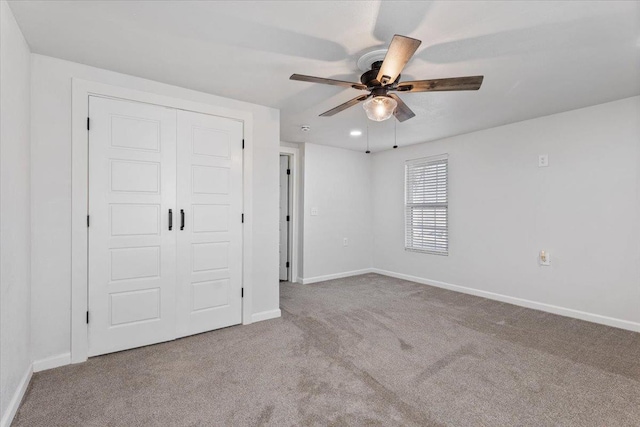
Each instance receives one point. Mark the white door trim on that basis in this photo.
(293, 153)
(81, 90)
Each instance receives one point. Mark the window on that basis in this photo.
(426, 205)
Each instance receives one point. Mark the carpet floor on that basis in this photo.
(365, 350)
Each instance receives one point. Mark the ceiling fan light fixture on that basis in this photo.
(382, 75)
(379, 108)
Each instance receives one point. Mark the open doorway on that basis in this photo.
(285, 218)
(288, 208)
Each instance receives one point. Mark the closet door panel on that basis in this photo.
(210, 227)
(132, 254)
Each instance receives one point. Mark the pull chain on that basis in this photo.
(395, 133)
(368, 151)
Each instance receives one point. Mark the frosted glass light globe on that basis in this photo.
(379, 108)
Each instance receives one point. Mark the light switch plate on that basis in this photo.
(543, 160)
(546, 261)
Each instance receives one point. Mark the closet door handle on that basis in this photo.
(181, 219)
(170, 219)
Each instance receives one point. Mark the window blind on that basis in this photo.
(426, 205)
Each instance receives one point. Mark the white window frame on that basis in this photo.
(408, 207)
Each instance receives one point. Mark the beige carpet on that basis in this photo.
(367, 350)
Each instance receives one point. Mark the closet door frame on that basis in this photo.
(81, 90)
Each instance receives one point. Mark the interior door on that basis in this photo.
(284, 217)
(132, 251)
(210, 222)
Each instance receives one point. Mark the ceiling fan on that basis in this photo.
(384, 77)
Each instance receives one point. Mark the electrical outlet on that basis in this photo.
(314, 211)
(345, 242)
(543, 160)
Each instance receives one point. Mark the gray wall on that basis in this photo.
(15, 208)
(584, 209)
(337, 182)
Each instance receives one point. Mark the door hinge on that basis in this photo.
(287, 217)
(243, 143)
(87, 317)
(288, 171)
(87, 220)
(241, 292)
(88, 123)
(287, 264)
(243, 218)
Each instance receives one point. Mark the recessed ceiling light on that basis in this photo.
(355, 132)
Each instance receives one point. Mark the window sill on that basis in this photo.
(424, 251)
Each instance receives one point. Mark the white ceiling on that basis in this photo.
(538, 58)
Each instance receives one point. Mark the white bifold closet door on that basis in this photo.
(165, 231)
(210, 240)
(132, 254)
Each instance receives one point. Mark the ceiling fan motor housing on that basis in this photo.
(379, 91)
(370, 78)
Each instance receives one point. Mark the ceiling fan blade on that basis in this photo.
(456, 83)
(322, 80)
(402, 111)
(344, 106)
(400, 52)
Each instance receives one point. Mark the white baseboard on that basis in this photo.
(265, 315)
(52, 362)
(316, 279)
(568, 312)
(16, 400)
